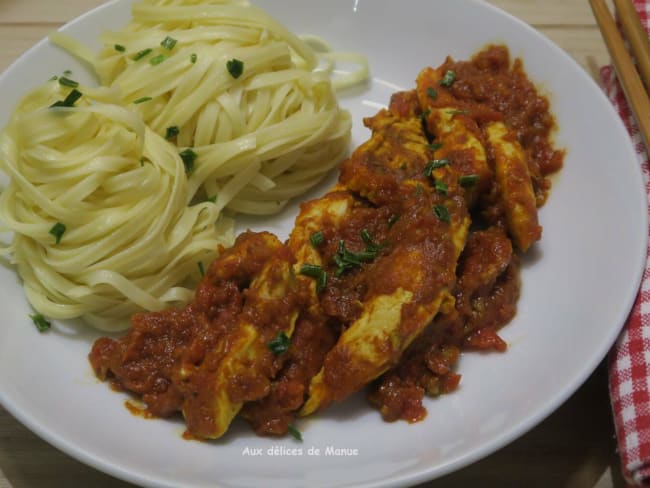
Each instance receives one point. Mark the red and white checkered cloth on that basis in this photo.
(629, 367)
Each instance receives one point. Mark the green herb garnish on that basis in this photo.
(157, 59)
(435, 164)
(68, 82)
(119, 48)
(441, 212)
(317, 238)
(434, 146)
(441, 187)
(168, 43)
(171, 132)
(280, 344)
(448, 79)
(189, 157)
(142, 100)
(141, 54)
(235, 68)
(315, 271)
(295, 433)
(432, 93)
(468, 181)
(193, 58)
(311, 270)
(41, 323)
(457, 112)
(57, 231)
(69, 101)
(346, 259)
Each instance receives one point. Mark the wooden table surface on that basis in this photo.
(574, 447)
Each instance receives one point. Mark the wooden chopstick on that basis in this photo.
(627, 74)
(636, 36)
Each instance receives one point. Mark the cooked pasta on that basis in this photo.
(98, 204)
(248, 96)
(203, 105)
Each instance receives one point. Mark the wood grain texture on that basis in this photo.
(573, 448)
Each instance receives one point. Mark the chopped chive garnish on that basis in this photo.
(435, 146)
(435, 164)
(441, 187)
(201, 268)
(316, 272)
(54, 78)
(457, 112)
(212, 199)
(57, 231)
(68, 82)
(393, 218)
(193, 58)
(69, 101)
(432, 93)
(448, 79)
(157, 59)
(235, 68)
(67, 72)
(311, 270)
(141, 161)
(119, 48)
(168, 43)
(441, 212)
(141, 54)
(189, 157)
(41, 323)
(280, 344)
(321, 282)
(345, 259)
(142, 100)
(295, 433)
(171, 132)
(467, 181)
(317, 238)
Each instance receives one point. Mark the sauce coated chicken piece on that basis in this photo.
(485, 299)
(314, 334)
(210, 357)
(456, 134)
(416, 223)
(515, 185)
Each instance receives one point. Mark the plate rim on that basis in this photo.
(579, 377)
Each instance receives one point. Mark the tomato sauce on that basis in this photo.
(400, 238)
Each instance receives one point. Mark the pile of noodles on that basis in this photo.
(203, 106)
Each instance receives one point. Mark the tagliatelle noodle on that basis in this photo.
(131, 239)
(261, 138)
(109, 170)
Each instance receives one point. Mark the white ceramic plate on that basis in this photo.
(578, 284)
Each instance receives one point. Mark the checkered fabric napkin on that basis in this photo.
(629, 367)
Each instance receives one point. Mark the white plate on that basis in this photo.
(578, 284)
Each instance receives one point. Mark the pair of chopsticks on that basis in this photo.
(633, 87)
